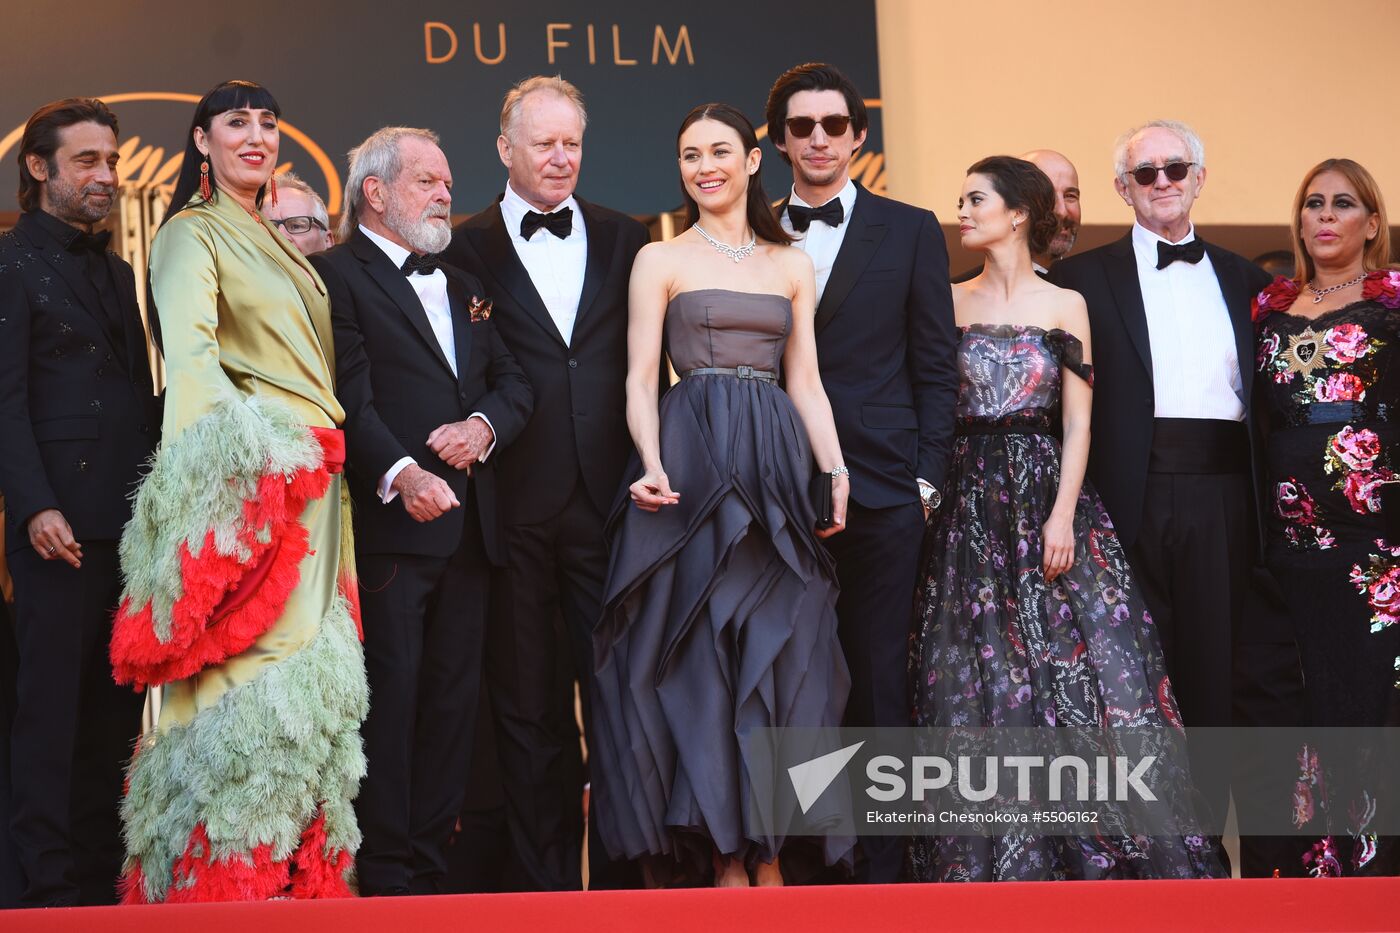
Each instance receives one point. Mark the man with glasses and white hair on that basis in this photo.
(430, 392)
(1172, 420)
(300, 214)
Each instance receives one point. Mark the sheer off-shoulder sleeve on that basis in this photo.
(1070, 352)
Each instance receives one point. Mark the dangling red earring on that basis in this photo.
(272, 189)
(206, 191)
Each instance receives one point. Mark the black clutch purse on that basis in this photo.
(821, 498)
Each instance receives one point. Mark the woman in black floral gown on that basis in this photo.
(1329, 377)
(1028, 614)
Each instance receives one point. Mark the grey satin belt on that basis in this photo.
(743, 372)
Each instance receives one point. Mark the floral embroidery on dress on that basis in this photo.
(1354, 455)
(1379, 582)
(1299, 510)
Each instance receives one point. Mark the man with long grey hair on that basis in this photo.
(430, 393)
(558, 268)
(1173, 348)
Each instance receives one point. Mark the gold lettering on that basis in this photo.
(428, 29)
(501, 47)
(552, 43)
(592, 48)
(672, 54)
(617, 48)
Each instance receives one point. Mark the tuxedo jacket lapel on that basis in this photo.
(602, 238)
(133, 330)
(492, 242)
(864, 233)
(1235, 290)
(395, 285)
(460, 301)
(1121, 267)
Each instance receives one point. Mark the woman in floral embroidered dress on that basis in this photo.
(1329, 381)
(1028, 614)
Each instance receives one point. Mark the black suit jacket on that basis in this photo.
(578, 432)
(887, 349)
(78, 417)
(397, 388)
(1124, 402)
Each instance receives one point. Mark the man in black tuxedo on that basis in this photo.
(887, 345)
(558, 268)
(78, 418)
(1174, 451)
(430, 391)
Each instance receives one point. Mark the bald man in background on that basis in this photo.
(1063, 176)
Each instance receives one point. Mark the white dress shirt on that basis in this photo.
(432, 295)
(555, 266)
(1195, 369)
(822, 242)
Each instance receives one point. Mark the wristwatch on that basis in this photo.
(929, 495)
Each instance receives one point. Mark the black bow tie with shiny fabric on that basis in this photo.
(92, 242)
(1168, 253)
(426, 264)
(831, 213)
(560, 223)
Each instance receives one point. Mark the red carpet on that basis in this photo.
(1264, 905)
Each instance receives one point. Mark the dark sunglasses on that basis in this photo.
(834, 125)
(1147, 175)
(299, 225)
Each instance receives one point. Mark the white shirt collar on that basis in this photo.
(396, 253)
(1146, 239)
(514, 208)
(847, 197)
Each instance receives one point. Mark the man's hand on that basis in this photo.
(462, 443)
(424, 495)
(52, 537)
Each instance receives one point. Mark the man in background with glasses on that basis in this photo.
(300, 215)
(1174, 437)
(886, 347)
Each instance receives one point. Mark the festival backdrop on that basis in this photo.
(342, 68)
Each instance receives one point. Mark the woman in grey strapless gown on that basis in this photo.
(719, 612)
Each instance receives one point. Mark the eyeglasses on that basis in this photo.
(834, 125)
(1146, 175)
(299, 225)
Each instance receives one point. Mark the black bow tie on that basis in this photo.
(1168, 253)
(831, 213)
(426, 264)
(93, 242)
(560, 223)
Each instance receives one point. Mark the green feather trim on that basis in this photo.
(199, 481)
(256, 766)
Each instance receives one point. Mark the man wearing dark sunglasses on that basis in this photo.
(886, 346)
(300, 215)
(1173, 429)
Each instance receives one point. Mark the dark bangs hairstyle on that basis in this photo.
(231, 95)
(760, 215)
(41, 138)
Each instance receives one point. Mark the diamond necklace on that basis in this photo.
(733, 252)
(1320, 293)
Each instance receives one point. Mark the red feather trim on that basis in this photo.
(350, 589)
(195, 878)
(226, 603)
(131, 887)
(318, 871)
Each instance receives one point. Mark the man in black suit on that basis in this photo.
(78, 418)
(1174, 452)
(886, 344)
(558, 268)
(430, 392)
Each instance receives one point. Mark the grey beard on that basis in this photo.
(422, 234)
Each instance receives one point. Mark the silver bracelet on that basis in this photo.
(839, 471)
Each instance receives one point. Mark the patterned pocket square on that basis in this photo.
(480, 309)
